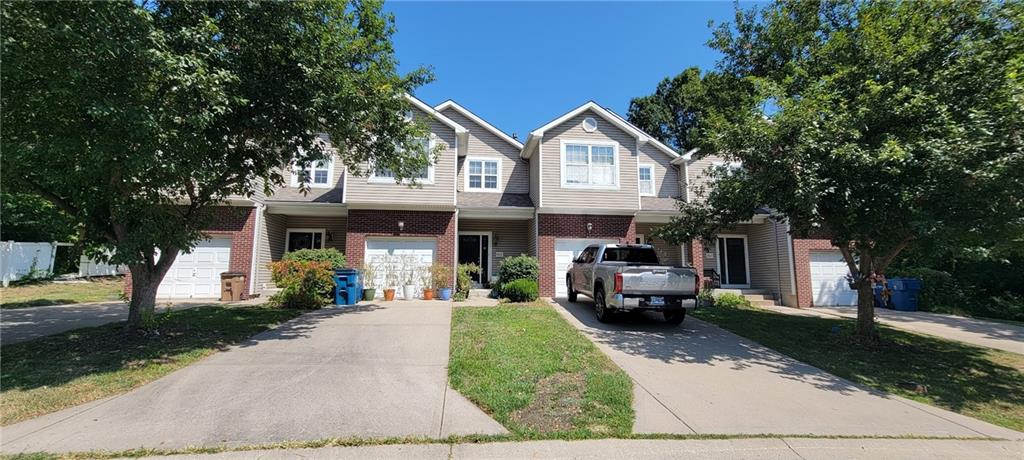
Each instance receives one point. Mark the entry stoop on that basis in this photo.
(757, 297)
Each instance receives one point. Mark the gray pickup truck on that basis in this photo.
(628, 277)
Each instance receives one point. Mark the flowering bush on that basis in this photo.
(304, 284)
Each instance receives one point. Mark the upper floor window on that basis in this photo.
(590, 165)
(483, 175)
(424, 175)
(646, 181)
(318, 174)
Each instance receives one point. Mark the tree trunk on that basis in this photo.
(146, 279)
(865, 311)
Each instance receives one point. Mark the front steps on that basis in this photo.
(479, 293)
(757, 297)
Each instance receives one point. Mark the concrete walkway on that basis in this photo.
(698, 378)
(983, 333)
(21, 324)
(367, 371)
(614, 449)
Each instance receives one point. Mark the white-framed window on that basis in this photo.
(646, 179)
(589, 164)
(731, 167)
(304, 238)
(317, 175)
(424, 176)
(483, 174)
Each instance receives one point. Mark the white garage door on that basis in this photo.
(565, 252)
(197, 275)
(828, 280)
(405, 259)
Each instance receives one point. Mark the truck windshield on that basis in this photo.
(631, 255)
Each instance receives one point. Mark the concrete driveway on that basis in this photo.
(979, 332)
(366, 371)
(20, 324)
(698, 378)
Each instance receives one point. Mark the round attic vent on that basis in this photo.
(589, 124)
(407, 115)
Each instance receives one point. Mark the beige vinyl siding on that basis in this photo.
(440, 192)
(668, 254)
(509, 237)
(767, 253)
(272, 241)
(515, 173)
(666, 179)
(625, 197)
(696, 172)
(269, 247)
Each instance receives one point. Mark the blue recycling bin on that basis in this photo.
(348, 286)
(905, 293)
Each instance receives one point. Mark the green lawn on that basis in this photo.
(978, 382)
(50, 293)
(536, 374)
(60, 371)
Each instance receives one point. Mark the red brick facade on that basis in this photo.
(695, 256)
(238, 224)
(802, 262)
(556, 226)
(369, 223)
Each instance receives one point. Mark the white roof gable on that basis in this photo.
(480, 121)
(461, 133)
(609, 116)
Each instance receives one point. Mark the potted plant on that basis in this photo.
(390, 281)
(369, 282)
(426, 280)
(408, 280)
(440, 279)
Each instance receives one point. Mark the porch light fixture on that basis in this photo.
(401, 225)
(590, 227)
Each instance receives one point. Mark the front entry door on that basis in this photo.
(732, 261)
(475, 249)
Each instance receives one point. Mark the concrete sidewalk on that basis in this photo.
(698, 378)
(776, 448)
(364, 372)
(979, 332)
(21, 324)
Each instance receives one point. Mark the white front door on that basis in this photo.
(828, 280)
(404, 259)
(196, 275)
(565, 251)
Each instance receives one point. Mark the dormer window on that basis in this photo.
(483, 174)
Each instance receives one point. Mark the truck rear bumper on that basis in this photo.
(645, 302)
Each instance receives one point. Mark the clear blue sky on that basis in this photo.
(520, 65)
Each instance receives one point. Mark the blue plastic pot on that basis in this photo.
(444, 293)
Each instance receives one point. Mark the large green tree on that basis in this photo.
(875, 124)
(136, 118)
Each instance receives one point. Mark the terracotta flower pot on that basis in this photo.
(428, 294)
(389, 294)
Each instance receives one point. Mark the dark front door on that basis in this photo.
(473, 249)
(732, 256)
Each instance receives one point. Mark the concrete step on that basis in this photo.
(753, 297)
(762, 303)
(479, 293)
(740, 291)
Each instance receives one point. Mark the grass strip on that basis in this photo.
(536, 374)
(50, 293)
(59, 371)
(974, 381)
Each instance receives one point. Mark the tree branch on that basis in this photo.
(57, 200)
(883, 263)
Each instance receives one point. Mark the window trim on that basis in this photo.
(654, 182)
(375, 179)
(288, 237)
(312, 173)
(465, 174)
(590, 143)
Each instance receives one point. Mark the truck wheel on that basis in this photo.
(603, 313)
(569, 289)
(675, 317)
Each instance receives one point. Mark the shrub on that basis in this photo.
(304, 285)
(521, 290)
(329, 255)
(705, 298)
(440, 276)
(464, 280)
(730, 300)
(517, 268)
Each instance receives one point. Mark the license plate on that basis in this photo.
(656, 301)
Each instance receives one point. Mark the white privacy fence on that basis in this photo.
(18, 260)
(88, 267)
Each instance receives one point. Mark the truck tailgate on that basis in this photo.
(658, 280)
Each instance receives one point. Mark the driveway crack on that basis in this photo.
(791, 449)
